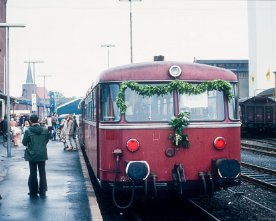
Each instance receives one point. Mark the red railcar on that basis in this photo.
(163, 127)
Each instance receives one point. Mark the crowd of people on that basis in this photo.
(35, 134)
(59, 129)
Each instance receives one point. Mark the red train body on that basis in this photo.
(132, 152)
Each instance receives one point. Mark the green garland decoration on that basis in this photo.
(178, 124)
(181, 86)
(182, 120)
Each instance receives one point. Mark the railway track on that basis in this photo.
(208, 215)
(261, 176)
(267, 150)
(265, 141)
(252, 201)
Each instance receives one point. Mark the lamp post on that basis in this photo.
(107, 46)
(44, 104)
(130, 24)
(7, 26)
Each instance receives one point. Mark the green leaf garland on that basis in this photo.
(181, 86)
(182, 120)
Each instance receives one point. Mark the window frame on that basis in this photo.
(114, 106)
(206, 119)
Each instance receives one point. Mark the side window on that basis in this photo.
(94, 105)
(233, 105)
(87, 108)
(109, 109)
(85, 111)
(90, 106)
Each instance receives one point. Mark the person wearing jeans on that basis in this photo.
(35, 139)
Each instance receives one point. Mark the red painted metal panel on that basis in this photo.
(159, 71)
(153, 143)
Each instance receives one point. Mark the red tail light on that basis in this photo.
(219, 143)
(133, 145)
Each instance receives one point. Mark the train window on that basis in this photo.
(207, 106)
(94, 105)
(109, 109)
(90, 106)
(143, 108)
(233, 105)
(85, 111)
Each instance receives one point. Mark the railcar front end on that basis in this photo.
(171, 140)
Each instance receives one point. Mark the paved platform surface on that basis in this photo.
(70, 195)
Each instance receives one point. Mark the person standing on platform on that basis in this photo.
(35, 139)
(54, 124)
(76, 133)
(4, 127)
(69, 131)
(63, 128)
(26, 126)
(16, 132)
(49, 126)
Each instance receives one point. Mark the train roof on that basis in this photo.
(159, 71)
(256, 99)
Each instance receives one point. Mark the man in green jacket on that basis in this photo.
(36, 139)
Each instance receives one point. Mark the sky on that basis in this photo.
(67, 36)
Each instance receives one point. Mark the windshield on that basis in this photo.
(207, 106)
(143, 108)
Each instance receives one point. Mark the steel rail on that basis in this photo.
(253, 201)
(260, 141)
(265, 180)
(259, 146)
(211, 216)
(256, 149)
(259, 168)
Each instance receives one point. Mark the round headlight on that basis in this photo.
(175, 71)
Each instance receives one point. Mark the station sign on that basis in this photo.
(34, 105)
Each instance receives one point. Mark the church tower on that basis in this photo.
(29, 87)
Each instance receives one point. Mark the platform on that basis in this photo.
(70, 194)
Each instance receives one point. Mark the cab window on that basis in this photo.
(148, 109)
(207, 106)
